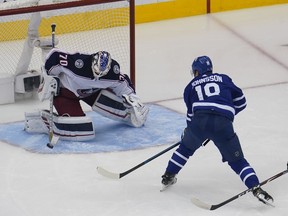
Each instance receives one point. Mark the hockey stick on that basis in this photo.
(203, 205)
(112, 175)
(52, 138)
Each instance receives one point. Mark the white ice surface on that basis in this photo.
(252, 47)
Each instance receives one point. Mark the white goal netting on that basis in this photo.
(85, 29)
(86, 26)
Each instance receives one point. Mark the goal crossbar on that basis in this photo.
(54, 6)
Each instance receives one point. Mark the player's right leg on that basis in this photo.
(70, 124)
(189, 144)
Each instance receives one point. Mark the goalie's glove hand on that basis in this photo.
(131, 100)
(137, 110)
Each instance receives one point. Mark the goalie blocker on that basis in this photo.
(128, 110)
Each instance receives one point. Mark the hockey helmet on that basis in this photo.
(202, 65)
(101, 63)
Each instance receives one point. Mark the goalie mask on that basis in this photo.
(101, 63)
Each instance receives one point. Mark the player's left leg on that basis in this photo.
(229, 146)
(111, 106)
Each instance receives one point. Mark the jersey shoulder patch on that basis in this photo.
(114, 72)
(116, 69)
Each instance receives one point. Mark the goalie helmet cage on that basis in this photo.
(81, 26)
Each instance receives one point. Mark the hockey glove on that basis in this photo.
(136, 109)
(49, 85)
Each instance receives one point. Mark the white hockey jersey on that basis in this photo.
(75, 73)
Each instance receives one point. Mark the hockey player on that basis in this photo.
(212, 101)
(95, 79)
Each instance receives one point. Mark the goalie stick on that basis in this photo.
(207, 206)
(113, 175)
(53, 139)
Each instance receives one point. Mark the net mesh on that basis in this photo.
(86, 29)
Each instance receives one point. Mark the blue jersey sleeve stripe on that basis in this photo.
(188, 117)
(238, 98)
(240, 106)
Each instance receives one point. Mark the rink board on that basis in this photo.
(163, 126)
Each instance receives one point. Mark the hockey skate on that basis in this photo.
(262, 196)
(168, 179)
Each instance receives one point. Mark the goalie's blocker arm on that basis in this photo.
(50, 85)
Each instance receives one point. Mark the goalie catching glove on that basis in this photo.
(127, 109)
(136, 109)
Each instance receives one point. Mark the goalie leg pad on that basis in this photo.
(71, 128)
(111, 106)
(34, 123)
(67, 128)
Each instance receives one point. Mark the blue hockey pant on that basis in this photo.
(220, 130)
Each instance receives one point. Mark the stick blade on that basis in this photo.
(201, 204)
(107, 173)
(53, 141)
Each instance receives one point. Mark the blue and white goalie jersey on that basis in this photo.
(216, 93)
(75, 73)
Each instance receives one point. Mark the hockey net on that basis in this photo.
(81, 26)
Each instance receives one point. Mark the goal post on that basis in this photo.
(82, 26)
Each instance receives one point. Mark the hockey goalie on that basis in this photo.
(95, 79)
